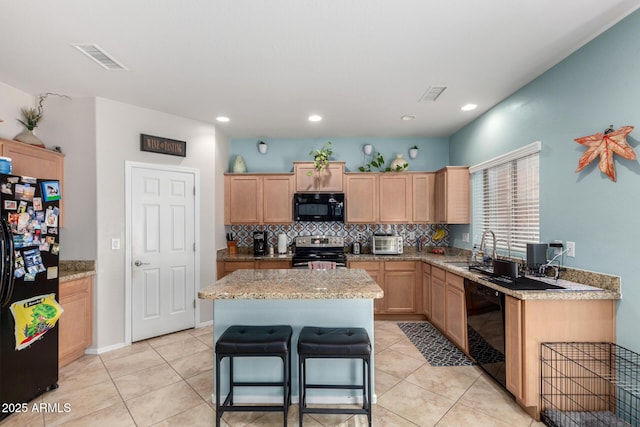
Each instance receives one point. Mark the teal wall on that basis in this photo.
(597, 86)
(433, 152)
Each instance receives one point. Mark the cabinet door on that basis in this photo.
(243, 199)
(361, 198)
(438, 288)
(423, 206)
(426, 290)
(441, 195)
(456, 315)
(272, 265)
(328, 180)
(373, 268)
(395, 198)
(38, 163)
(278, 198)
(513, 345)
(76, 324)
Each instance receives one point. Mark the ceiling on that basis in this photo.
(267, 65)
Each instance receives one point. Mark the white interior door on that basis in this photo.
(162, 252)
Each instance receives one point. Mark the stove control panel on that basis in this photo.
(319, 241)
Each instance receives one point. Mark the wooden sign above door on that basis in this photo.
(158, 144)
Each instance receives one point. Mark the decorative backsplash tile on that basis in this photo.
(243, 234)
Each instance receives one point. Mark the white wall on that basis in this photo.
(11, 101)
(118, 129)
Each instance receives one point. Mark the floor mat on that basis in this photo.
(434, 346)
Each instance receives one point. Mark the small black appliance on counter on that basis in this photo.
(259, 243)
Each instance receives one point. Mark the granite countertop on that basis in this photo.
(73, 270)
(283, 284)
(580, 284)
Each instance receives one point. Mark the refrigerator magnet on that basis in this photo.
(10, 205)
(6, 188)
(52, 273)
(25, 192)
(51, 217)
(51, 191)
(22, 208)
(37, 203)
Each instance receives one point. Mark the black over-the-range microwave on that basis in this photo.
(318, 207)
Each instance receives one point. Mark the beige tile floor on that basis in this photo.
(167, 381)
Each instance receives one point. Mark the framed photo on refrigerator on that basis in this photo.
(51, 191)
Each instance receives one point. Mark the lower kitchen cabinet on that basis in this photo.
(528, 323)
(76, 323)
(448, 310)
(456, 314)
(438, 295)
(426, 290)
(375, 270)
(400, 280)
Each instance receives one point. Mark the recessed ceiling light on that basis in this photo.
(407, 117)
(315, 118)
(222, 119)
(469, 107)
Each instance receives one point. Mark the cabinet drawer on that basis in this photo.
(455, 281)
(365, 265)
(438, 273)
(399, 265)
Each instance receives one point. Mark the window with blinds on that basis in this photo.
(505, 199)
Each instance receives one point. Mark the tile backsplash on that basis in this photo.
(243, 234)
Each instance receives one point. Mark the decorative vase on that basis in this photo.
(399, 163)
(28, 137)
(239, 166)
(368, 148)
(413, 153)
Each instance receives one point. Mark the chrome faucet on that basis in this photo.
(508, 246)
(483, 242)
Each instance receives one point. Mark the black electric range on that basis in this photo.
(319, 248)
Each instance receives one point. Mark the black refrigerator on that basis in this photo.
(29, 309)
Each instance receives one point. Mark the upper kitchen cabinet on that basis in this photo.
(328, 180)
(388, 198)
(452, 195)
(361, 194)
(258, 198)
(35, 162)
(424, 201)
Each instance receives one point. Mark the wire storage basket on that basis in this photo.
(594, 384)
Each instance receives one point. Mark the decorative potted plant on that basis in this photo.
(413, 152)
(31, 118)
(377, 162)
(262, 147)
(320, 158)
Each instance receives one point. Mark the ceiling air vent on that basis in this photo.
(100, 56)
(432, 93)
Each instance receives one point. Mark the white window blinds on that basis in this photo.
(505, 199)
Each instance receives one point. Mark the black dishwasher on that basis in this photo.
(485, 323)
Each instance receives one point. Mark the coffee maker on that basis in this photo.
(259, 243)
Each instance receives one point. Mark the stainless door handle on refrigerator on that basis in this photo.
(138, 263)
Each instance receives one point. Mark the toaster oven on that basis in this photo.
(386, 245)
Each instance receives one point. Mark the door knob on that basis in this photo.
(138, 263)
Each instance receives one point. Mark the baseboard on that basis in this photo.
(204, 324)
(100, 350)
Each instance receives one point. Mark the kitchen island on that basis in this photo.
(295, 297)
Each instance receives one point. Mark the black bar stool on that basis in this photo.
(334, 343)
(254, 341)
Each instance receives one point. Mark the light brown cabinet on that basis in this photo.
(258, 198)
(389, 198)
(35, 162)
(76, 323)
(396, 196)
(423, 205)
(426, 290)
(448, 311)
(455, 311)
(361, 193)
(329, 180)
(376, 271)
(452, 204)
(528, 323)
(438, 297)
(400, 281)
